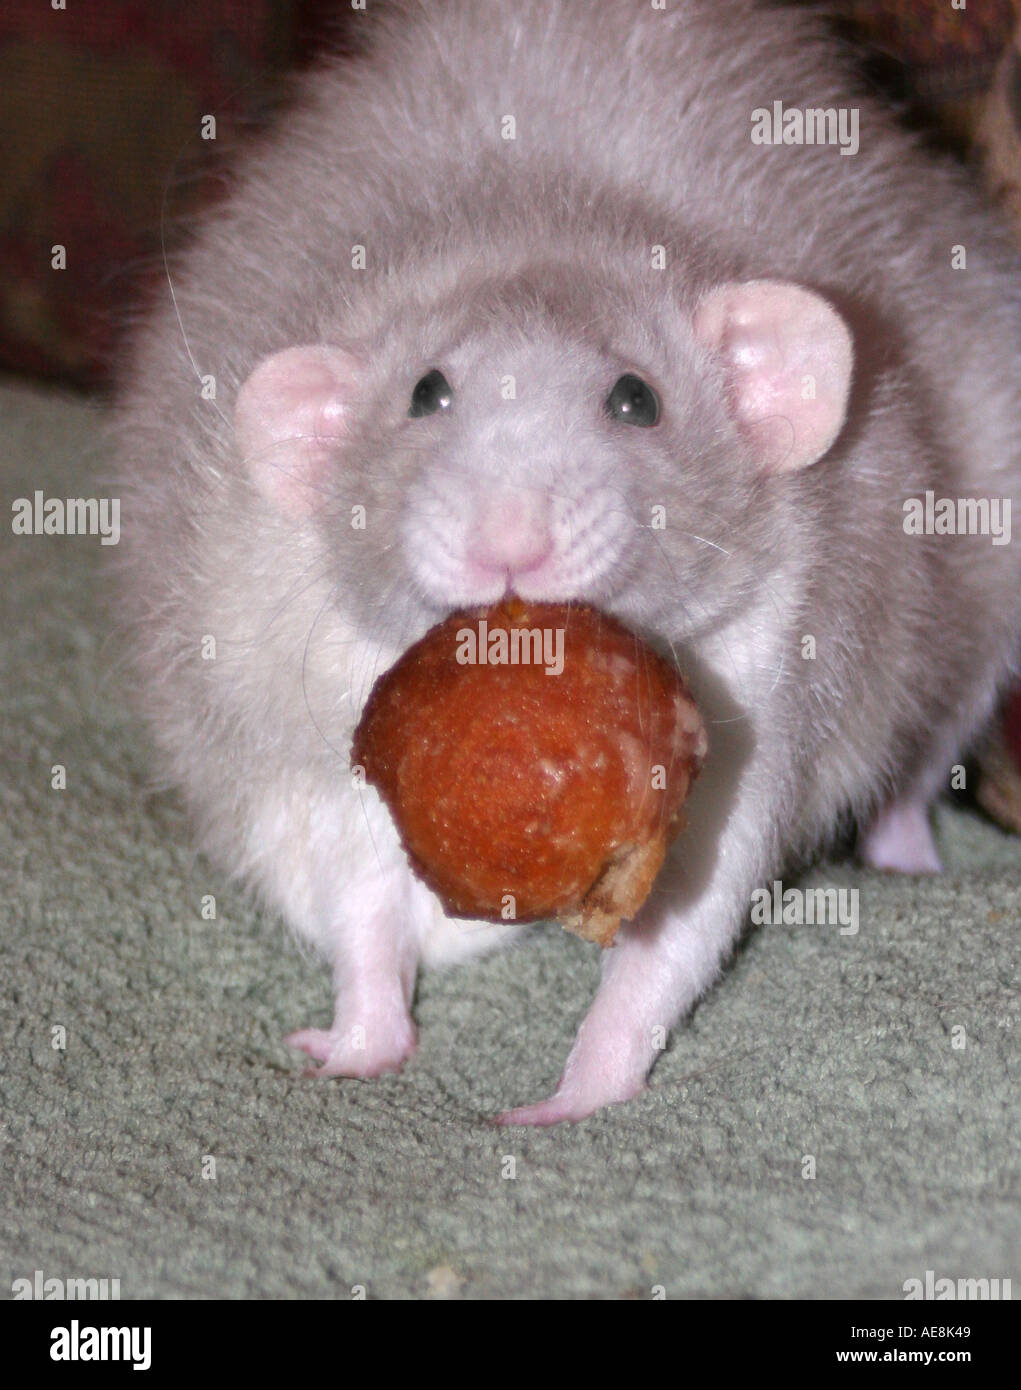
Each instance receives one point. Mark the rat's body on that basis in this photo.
(535, 258)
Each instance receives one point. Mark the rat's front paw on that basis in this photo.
(357, 1049)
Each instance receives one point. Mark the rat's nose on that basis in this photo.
(511, 533)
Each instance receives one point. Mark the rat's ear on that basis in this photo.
(289, 417)
(787, 358)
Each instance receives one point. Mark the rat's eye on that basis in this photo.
(432, 393)
(632, 402)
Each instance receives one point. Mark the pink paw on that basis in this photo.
(369, 1050)
(900, 840)
(565, 1106)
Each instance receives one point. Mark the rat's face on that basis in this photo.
(519, 456)
(537, 448)
(561, 456)
(537, 442)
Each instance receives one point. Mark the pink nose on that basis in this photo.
(511, 532)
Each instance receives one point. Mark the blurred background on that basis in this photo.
(101, 107)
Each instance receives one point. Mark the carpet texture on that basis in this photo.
(173, 1143)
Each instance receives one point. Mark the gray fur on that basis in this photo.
(532, 256)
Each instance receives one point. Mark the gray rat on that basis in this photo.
(389, 386)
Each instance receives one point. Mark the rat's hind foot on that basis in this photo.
(568, 1105)
(357, 1050)
(900, 840)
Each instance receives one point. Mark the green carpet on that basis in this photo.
(840, 1047)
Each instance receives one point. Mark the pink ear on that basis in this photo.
(290, 414)
(787, 355)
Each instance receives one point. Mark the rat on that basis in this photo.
(527, 297)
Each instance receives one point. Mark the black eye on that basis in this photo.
(632, 402)
(431, 394)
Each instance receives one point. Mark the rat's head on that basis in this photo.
(545, 433)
